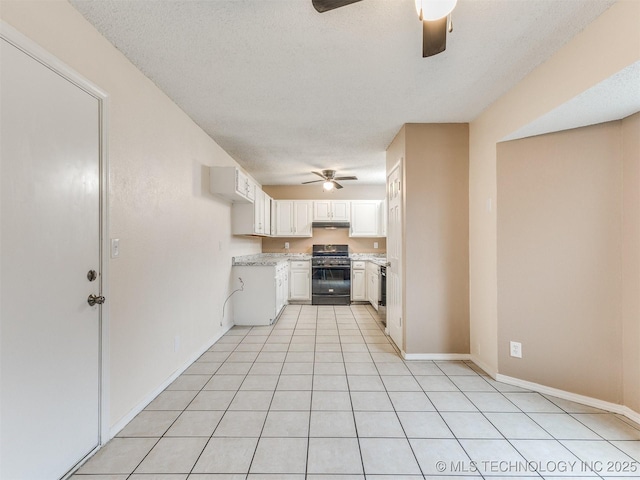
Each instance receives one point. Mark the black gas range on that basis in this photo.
(331, 275)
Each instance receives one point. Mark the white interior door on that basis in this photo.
(50, 239)
(394, 256)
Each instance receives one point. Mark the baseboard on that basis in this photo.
(573, 397)
(436, 356)
(484, 366)
(115, 429)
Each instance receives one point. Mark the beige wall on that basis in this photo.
(580, 64)
(559, 259)
(351, 191)
(631, 261)
(173, 272)
(436, 226)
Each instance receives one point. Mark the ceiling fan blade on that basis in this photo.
(434, 37)
(325, 5)
(346, 178)
(337, 185)
(312, 181)
(320, 174)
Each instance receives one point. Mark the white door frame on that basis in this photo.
(28, 46)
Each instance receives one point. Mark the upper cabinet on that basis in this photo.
(232, 184)
(293, 218)
(331, 210)
(366, 218)
(252, 218)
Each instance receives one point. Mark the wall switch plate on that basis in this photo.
(515, 349)
(286, 245)
(115, 247)
(375, 244)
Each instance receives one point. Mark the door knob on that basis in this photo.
(95, 299)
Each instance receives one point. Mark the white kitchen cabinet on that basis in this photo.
(267, 214)
(365, 218)
(383, 218)
(252, 218)
(232, 184)
(331, 210)
(293, 218)
(373, 285)
(264, 293)
(358, 281)
(282, 285)
(300, 280)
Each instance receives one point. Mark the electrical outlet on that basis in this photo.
(375, 244)
(516, 349)
(286, 245)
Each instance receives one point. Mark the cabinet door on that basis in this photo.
(300, 285)
(252, 189)
(340, 210)
(365, 219)
(322, 210)
(284, 218)
(266, 212)
(372, 285)
(285, 286)
(302, 214)
(258, 213)
(358, 285)
(242, 184)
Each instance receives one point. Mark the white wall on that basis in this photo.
(174, 269)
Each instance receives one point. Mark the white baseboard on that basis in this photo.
(484, 366)
(115, 429)
(436, 356)
(573, 397)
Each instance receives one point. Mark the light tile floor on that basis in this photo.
(323, 395)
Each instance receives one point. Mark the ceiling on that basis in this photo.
(286, 90)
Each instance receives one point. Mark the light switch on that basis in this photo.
(115, 247)
(375, 244)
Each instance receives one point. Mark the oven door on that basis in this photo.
(331, 285)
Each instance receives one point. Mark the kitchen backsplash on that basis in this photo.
(322, 236)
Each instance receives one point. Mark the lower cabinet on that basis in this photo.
(300, 280)
(264, 294)
(373, 288)
(358, 281)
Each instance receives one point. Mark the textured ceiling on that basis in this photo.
(285, 90)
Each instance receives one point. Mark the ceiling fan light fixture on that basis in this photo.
(327, 186)
(431, 10)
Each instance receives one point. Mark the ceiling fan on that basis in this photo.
(329, 176)
(434, 14)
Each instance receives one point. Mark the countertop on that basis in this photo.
(377, 258)
(266, 259)
(269, 259)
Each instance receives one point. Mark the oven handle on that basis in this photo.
(334, 267)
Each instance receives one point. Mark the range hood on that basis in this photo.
(330, 225)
